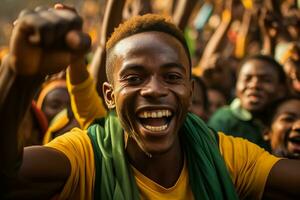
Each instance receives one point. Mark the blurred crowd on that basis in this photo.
(246, 68)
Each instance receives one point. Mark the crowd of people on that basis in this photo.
(179, 100)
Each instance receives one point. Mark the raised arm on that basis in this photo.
(183, 11)
(86, 102)
(242, 34)
(43, 42)
(112, 18)
(215, 41)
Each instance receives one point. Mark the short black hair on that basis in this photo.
(273, 63)
(139, 24)
(273, 108)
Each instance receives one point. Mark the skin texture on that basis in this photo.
(257, 85)
(151, 73)
(285, 126)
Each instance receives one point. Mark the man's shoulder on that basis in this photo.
(75, 136)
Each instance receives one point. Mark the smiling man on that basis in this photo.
(284, 127)
(260, 81)
(149, 146)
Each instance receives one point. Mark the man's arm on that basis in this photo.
(183, 11)
(42, 42)
(283, 181)
(112, 18)
(216, 39)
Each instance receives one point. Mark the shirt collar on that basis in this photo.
(239, 112)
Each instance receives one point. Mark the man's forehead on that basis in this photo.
(150, 39)
(258, 67)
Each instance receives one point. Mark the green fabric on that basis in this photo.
(235, 121)
(114, 179)
(238, 111)
(209, 178)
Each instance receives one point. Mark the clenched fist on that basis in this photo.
(45, 41)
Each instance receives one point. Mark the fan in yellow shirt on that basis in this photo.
(148, 91)
(248, 166)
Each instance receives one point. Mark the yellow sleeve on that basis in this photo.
(85, 101)
(77, 147)
(57, 123)
(248, 164)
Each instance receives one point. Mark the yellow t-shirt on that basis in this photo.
(150, 190)
(85, 102)
(248, 165)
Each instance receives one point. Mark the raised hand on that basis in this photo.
(45, 41)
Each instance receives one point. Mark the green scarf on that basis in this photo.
(209, 178)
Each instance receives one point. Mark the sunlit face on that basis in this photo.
(55, 101)
(285, 129)
(151, 89)
(257, 85)
(293, 74)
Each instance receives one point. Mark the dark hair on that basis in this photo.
(139, 24)
(273, 108)
(273, 63)
(203, 87)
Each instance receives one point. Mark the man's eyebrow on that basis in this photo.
(174, 65)
(139, 68)
(131, 67)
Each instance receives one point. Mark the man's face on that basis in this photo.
(292, 71)
(257, 85)
(55, 101)
(151, 89)
(285, 128)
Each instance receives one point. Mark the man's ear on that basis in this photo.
(267, 134)
(108, 93)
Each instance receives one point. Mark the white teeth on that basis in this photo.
(156, 128)
(159, 114)
(168, 113)
(155, 114)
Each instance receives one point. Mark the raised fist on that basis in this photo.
(45, 41)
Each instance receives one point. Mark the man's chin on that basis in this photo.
(157, 150)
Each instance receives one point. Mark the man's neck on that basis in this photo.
(164, 169)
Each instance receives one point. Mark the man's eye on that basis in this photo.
(267, 80)
(287, 118)
(133, 79)
(173, 77)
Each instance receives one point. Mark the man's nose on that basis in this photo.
(254, 82)
(154, 88)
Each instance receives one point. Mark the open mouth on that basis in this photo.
(295, 140)
(254, 97)
(295, 143)
(155, 120)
